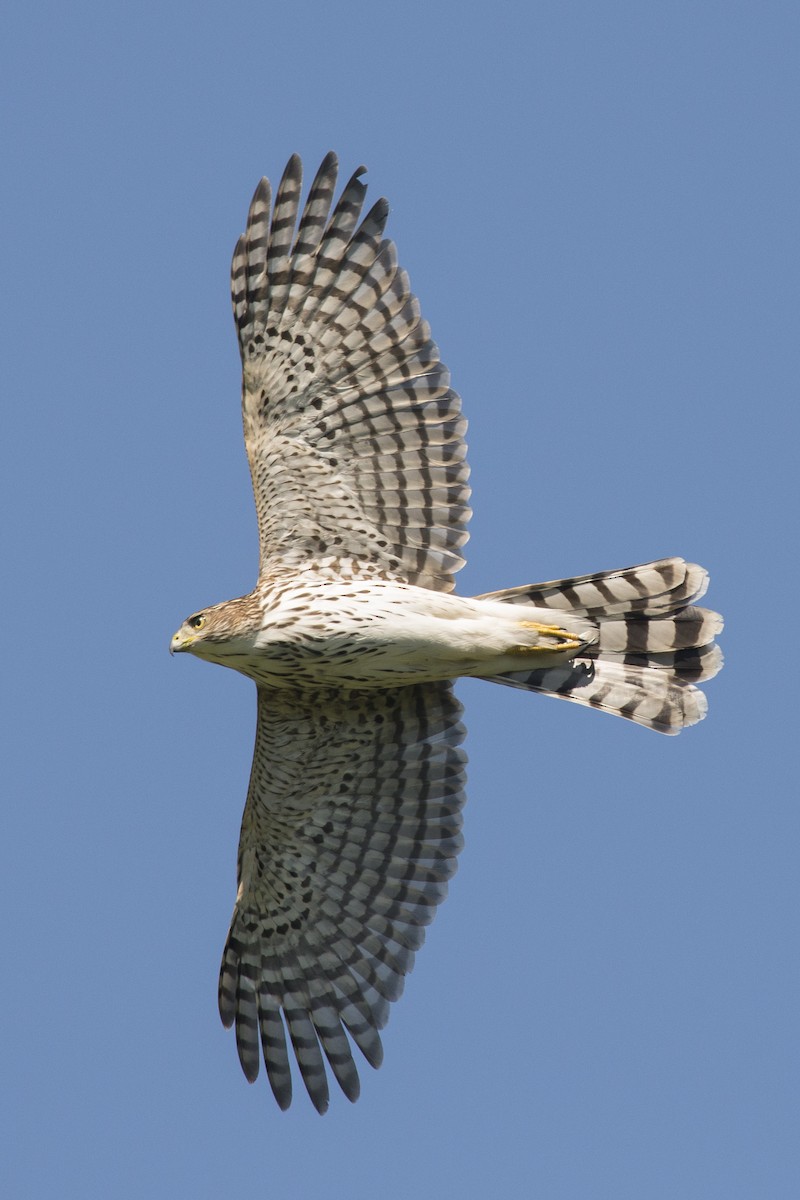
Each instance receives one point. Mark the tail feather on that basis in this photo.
(636, 634)
(655, 699)
(653, 646)
(693, 664)
(649, 589)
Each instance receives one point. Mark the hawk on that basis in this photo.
(353, 635)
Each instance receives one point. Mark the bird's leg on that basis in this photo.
(558, 639)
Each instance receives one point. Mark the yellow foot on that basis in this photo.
(558, 639)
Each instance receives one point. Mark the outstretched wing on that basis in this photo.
(349, 836)
(353, 434)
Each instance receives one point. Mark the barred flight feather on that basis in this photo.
(332, 336)
(339, 871)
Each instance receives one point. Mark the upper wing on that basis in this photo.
(354, 437)
(350, 832)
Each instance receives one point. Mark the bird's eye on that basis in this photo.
(197, 621)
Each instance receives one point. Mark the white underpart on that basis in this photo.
(385, 633)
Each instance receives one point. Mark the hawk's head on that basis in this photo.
(219, 631)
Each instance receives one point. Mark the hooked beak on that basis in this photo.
(180, 641)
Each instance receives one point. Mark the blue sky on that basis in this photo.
(597, 204)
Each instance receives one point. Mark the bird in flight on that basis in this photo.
(353, 635)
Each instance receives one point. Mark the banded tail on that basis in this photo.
(655, 644)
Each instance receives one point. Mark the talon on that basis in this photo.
(564, 640)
